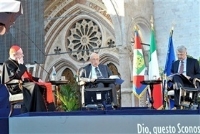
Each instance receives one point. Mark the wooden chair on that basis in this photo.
(189, 95)
(81, 82)
(170, 98)
(14, 98)
(193, 95)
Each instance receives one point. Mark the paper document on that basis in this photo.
(119, 81)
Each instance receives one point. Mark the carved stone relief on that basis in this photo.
(85, 35)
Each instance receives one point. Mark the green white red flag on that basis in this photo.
(154, 73)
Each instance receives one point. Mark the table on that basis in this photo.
(57, 88)
(151, 83)
(105, 80)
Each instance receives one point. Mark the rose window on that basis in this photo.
(85, 37)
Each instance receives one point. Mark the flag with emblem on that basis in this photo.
(138, 67)
(154, 73)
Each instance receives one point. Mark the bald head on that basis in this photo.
(94, 59)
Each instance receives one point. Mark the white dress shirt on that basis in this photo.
(93, 74)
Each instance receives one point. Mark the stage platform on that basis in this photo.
(131, 120)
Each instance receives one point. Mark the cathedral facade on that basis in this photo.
(75, 28)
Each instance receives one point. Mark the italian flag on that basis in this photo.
(154, 73)
(138, 67)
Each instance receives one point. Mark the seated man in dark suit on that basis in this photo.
(188, 68)
(95, 71)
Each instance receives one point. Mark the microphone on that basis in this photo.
(43, 69)
(82, 72)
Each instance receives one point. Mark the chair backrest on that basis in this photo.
(14, 97)
(31, 69)
(79, 80)
(196, 82)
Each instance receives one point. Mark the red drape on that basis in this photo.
(48, 85)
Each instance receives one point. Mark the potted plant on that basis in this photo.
(69, 97)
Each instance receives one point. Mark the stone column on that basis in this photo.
(127, 99)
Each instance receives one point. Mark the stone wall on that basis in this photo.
(184, 16)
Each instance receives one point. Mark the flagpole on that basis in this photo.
(169, 60)
(172, 30)
(165, 96)
(151, 21)
(149, 91)
(154, 73)
(149, 96)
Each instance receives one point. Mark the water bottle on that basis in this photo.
(146, 77)
(54, 74)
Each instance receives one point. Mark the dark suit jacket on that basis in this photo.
(192, 68)
(105, 71)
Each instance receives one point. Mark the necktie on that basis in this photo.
(181, 69)
(98, 73)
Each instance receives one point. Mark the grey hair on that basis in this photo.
(181, 48)
(92, 54)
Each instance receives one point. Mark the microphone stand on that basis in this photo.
(165, 98)
(43, 69)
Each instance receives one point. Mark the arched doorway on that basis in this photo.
(69, 75)
(114, 70)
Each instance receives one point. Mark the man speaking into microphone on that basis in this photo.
(94, 71)
(33, 89)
